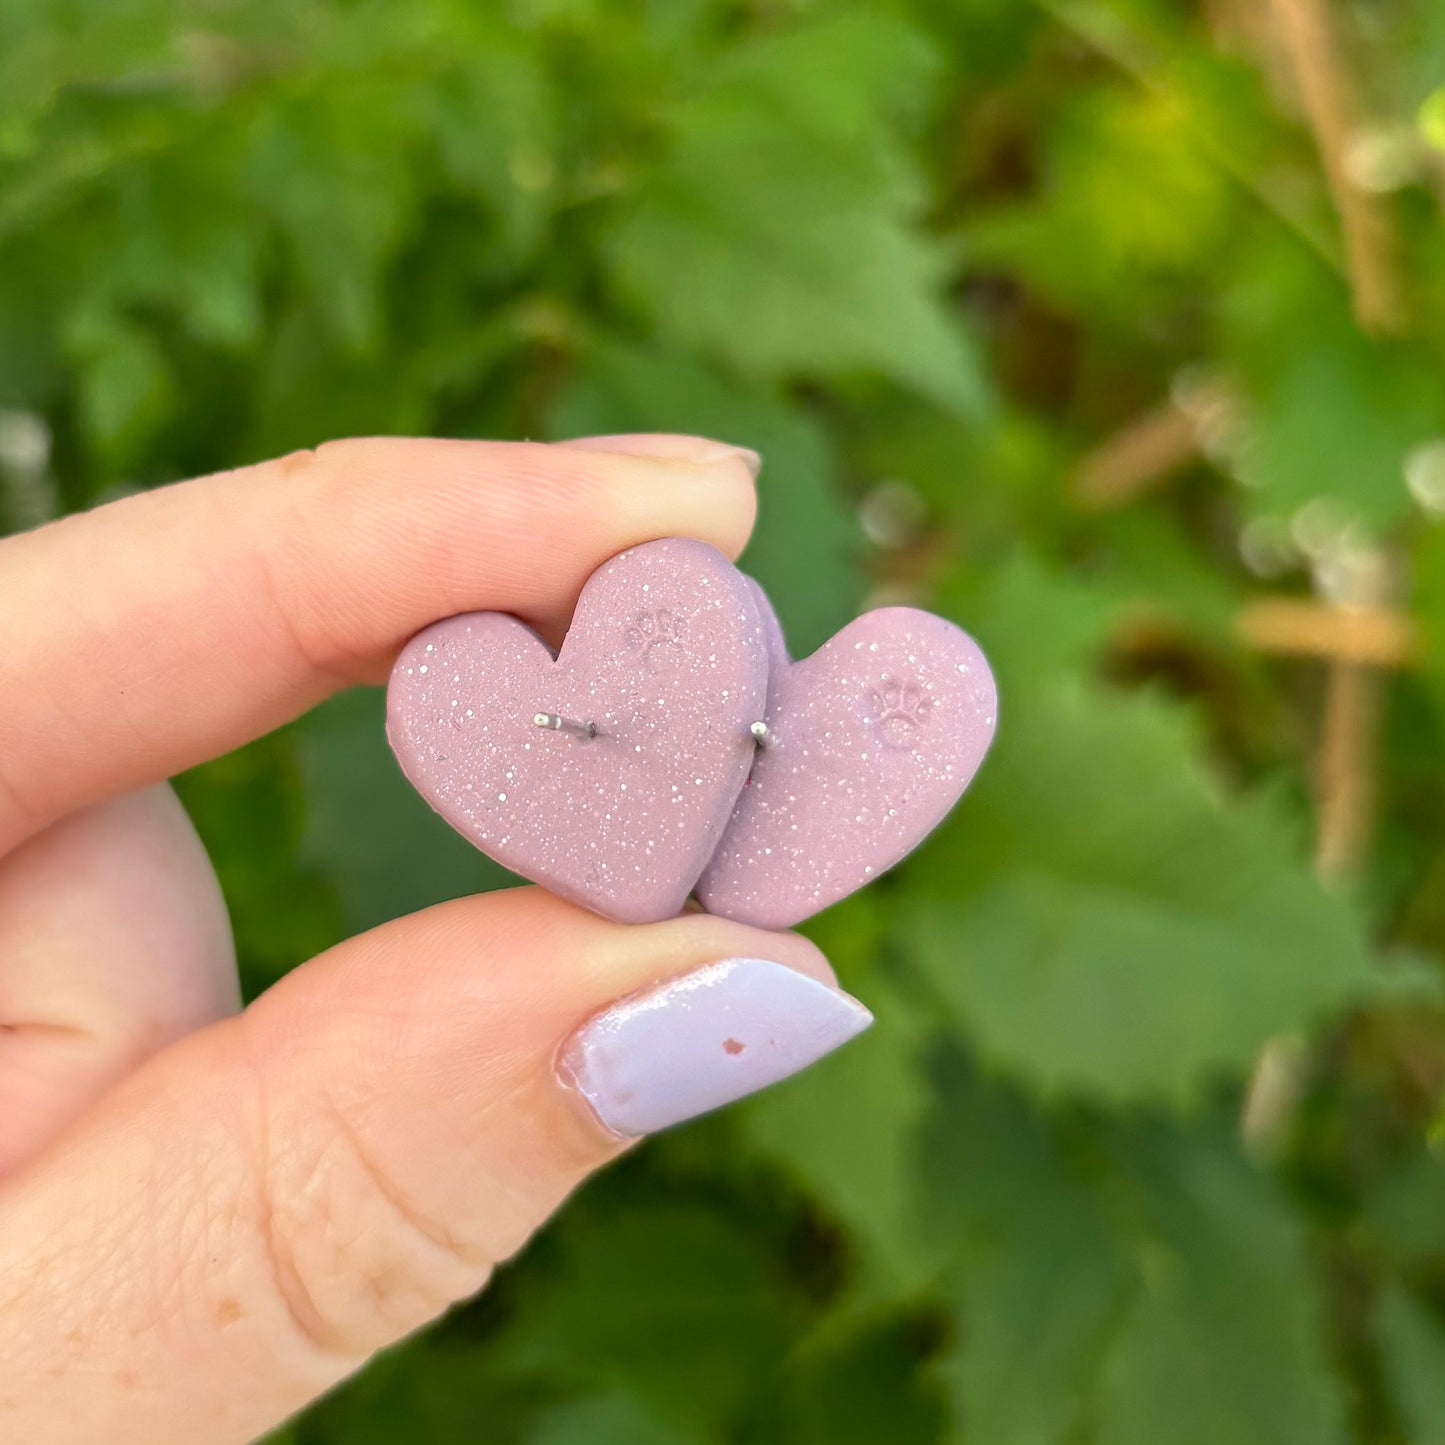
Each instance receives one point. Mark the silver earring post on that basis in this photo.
(559, 724)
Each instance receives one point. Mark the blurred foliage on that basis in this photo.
(1145, 1147)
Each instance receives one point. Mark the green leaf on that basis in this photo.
(247, 808)
(614, 1419)
(367, 826)
(847, 1129)
(1144, 1279)
(667, 1300)
(1225, 1340)
(60, 46)
(185, 242)
(432, 1390)
(1102, 920)
(859, 1379)
(332, 169)
(1338, 423)
(1158, 575)
(1040, 1276)
(1332, 413)
(286, 1435)
(1129, 154)
(127, 391)
(775, 235)
(1412, 1353)
(494, 122)
(1402, 1211)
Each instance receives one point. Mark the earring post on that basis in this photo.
(559, 724)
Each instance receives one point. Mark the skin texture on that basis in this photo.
(209, 1217)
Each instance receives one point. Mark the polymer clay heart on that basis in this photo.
(873, 739)
(665, 661)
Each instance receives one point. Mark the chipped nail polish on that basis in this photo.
(696, 1042)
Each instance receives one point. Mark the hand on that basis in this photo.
(209, 1217)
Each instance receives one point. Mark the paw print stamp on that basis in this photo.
(900, 710)
(657, 637)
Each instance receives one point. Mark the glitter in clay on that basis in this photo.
(665, 658)
(874, 738)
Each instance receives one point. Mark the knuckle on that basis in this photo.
(18, 817)
(324, 602)
(354, 1261)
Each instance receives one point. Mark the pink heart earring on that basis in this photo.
(868, 744)
(609, 772)
(673, 744)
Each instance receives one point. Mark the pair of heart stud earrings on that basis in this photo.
(672, 747)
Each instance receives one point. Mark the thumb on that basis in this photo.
(266, 1203)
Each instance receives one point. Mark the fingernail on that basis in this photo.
(697, 1042)
(670, 446)
(722, 452)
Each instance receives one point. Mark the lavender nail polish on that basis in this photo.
(702, 1040)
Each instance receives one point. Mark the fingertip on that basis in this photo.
(694, 938)
(706, 490)
(673, 446)
(703, 1039)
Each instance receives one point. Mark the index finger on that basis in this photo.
(150, 634)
